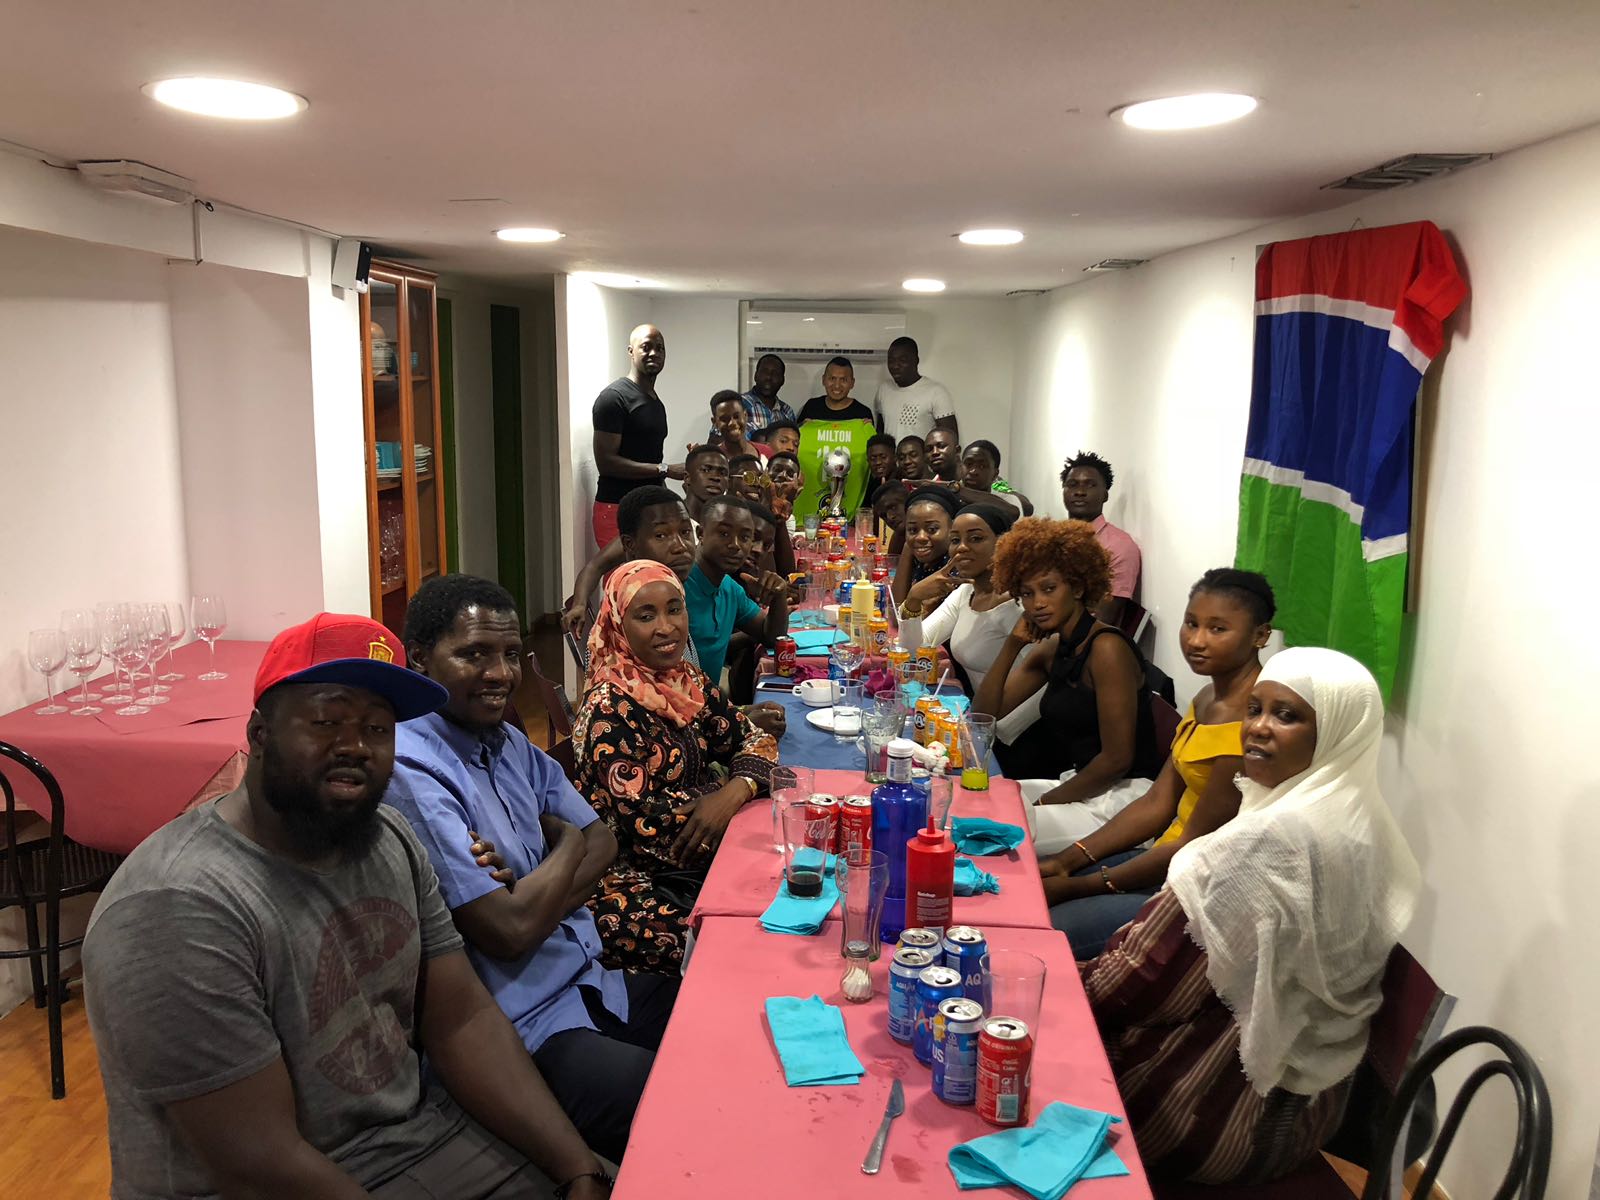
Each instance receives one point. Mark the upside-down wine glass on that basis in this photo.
(47, 654)
(208, 617)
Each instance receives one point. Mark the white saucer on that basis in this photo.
(822, 718)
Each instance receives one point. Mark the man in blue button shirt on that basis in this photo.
(464, 774)
(717, 601)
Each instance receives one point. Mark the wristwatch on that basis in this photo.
(606, 1180)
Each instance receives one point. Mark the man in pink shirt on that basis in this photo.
(1085, 485)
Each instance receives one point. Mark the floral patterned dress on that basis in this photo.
(635, 768)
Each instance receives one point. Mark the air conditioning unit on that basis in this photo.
(137, 178)
(816, 335)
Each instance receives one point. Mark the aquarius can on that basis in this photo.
(955, 1050)
(1005, 1070)
(966, 950)
(823, 806)
(934, 986)
(855, 828)
(924, 939)
(908, 963)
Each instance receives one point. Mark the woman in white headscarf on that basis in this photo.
(1235, 1007)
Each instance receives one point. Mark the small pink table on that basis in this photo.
(717, 1120)
(125, 777)
(744, 875)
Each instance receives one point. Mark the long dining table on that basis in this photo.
(717, 1118)
(122, 778)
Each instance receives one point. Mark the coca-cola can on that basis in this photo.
(855, 828)
(1005, 1070)
(820, 806)
(785, 651)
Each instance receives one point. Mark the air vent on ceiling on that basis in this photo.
(1411, 168)
(1117, 264)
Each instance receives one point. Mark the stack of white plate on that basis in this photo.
(423, 457)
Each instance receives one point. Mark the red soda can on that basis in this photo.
(784, 650)
(820, 806)
(1005, 1069)
(855, 828)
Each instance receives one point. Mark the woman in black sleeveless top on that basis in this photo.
(1095, 715)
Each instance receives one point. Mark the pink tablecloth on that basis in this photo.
(122, 779)
(716, 1119)
(744, 875)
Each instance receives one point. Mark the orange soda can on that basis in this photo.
(928, 656)
(879, 628)
(869, 544)
(948, 735)
(923, 719)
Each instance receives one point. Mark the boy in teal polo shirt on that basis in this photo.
(716, 596)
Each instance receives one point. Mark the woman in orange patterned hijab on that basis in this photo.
(638, 639)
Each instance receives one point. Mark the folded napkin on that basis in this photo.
(1063, 1145)
(815, 641)
(980, 835)
(791, 914)
(811, 1042)
(973, 880)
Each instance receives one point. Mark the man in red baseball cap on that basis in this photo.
(264, 972)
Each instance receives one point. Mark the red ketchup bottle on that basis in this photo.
(930, 878)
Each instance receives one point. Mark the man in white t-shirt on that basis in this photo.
(909, 403)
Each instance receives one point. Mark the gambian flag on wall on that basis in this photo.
(1346, 326)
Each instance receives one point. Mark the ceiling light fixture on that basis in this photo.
(923, 285)
(1187, 112)
(752, 320)
(233, 99)
(529, 233)
(990, 237)
(614, 279)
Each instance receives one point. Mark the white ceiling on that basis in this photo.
(803, 148)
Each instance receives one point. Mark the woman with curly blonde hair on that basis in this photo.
(1093, 748)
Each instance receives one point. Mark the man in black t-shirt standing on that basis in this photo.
(630, 431)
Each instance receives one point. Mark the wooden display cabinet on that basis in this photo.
(405, 486)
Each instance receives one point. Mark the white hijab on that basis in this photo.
(1299, 899)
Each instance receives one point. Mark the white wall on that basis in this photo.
(1487, 761)
(702, 335)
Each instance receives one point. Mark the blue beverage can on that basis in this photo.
(965, 950)
(843, 595)
(955, 1050)
(934, 986)
(907, 964)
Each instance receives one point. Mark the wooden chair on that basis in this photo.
(1408, 1022)
(559, 717)
(45, 870)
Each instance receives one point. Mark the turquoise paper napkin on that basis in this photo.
(811, 1042)
(1063, 1145)
(980, 835)
(815, 641)
(791, 914)
(973, 880)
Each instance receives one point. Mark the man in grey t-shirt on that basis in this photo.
(262, 973)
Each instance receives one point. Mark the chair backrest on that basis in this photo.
(1135, 619)
(12, 878)
(558, 709)
(1529, 1170)
(1167, 721)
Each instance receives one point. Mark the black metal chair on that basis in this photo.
(1529, 1169)
(45, 870)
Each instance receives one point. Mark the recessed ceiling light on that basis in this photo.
(529, 233)
(615, 279)
(808, 318)
(231, 98)
(752, 320)
(1187, 112)
(991, 237)
(923, 285)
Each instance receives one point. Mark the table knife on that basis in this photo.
(896, 1106)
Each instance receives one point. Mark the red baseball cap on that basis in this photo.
(355, 651)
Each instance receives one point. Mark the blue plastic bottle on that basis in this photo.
(899, 809)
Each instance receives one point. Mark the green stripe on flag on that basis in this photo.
(1328, 594)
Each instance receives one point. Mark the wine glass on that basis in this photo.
(151, 621)
(848, 656)
(47, 654)
(208, 617)
(83, 659)
(106, 614)
(177, 626)
(81, 628)
(128, 650)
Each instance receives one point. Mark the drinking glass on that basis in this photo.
(177, 626)
(940, 795)
(976, 734)
(847, 711)
(787, 785)
(848, 656)
(47, 654)
(128, 647)
(105, 614)
(208, 617)
(151, 620)
(805, 851)
(813, 523)
(81, 629)
(881, 724)
(863, 883)
(1016, 988)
